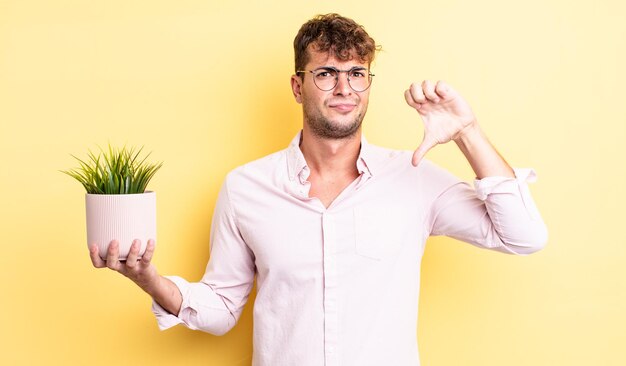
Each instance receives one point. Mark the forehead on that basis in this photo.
(318, 59)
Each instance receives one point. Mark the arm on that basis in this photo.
(215, 303)
(482, 156)
(500, 214)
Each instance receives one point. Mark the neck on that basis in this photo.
(328, 158)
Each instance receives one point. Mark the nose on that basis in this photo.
(343, 85)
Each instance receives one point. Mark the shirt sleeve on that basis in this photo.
(215, 303)
(498, 214)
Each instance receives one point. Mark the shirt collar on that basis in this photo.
(367, 163)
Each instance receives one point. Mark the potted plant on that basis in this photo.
(117, 203)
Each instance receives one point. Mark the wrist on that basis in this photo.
(151, 283)
(468, 134)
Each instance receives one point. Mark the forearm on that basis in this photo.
(480, 153)
(165, 293)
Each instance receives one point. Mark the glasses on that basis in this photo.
(326, 78)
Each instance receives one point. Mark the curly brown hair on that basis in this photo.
(333, 33)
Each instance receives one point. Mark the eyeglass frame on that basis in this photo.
(332, 68)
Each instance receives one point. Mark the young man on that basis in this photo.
(334, 228)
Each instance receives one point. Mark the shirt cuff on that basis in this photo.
(488, 185)
(164, 318)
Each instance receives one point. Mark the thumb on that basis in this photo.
(427, 144)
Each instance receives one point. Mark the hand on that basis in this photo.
(446, 115)
(141, 271)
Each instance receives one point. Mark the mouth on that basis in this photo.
(342, 107)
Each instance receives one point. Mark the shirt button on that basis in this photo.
(331, 349)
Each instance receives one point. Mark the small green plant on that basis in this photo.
(118, 171)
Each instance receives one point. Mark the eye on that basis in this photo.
(357, 73)
(326, 74)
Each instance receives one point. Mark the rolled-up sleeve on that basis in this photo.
(215, 303)
(498, 214)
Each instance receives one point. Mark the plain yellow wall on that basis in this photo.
(205, 86)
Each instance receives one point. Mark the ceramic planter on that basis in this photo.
(124, 217)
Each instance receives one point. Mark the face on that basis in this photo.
(333, 114)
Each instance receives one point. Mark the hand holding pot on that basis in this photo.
(139, 270)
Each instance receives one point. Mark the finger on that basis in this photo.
(113, 256)
(429, 91)
(133, 254)
(417, 93)
(421, 151)
(410, 101)
(442, 89)
(94, 254)
(147, 255)
(418, 155)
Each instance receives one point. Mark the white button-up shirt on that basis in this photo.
(340, 285)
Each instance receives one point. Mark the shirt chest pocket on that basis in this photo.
(378, 234)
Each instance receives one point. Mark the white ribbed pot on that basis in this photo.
(124, 217)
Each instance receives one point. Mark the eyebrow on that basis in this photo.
(334, 68)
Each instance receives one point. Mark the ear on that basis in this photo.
(296, 85)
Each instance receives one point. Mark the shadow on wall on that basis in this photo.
(274, 115)
(272, 119)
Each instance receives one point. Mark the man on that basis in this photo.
(334, 228)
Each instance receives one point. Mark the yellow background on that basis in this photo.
(205, 86)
